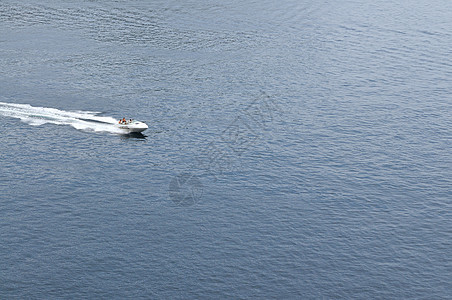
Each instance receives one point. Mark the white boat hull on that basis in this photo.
(134, 126)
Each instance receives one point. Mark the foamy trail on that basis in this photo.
(81, 120)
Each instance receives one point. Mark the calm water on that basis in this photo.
(296, 149)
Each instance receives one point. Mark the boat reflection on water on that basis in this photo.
(133, 135)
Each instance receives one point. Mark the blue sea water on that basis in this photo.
(296, 149)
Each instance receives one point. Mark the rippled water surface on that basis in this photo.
(296, 149)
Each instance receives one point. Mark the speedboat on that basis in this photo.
(132, 126)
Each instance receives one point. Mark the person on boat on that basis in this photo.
(130, 121)
(124, 121)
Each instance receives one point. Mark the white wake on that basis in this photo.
(81, 120)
